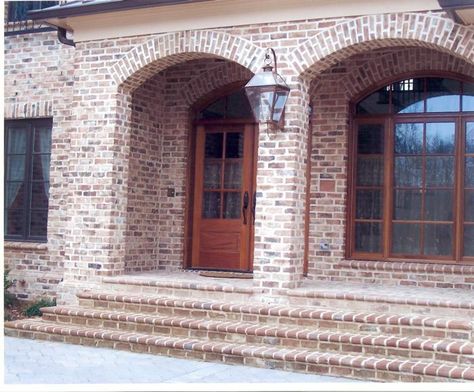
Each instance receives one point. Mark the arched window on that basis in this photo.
(232, 106)
(412, 192)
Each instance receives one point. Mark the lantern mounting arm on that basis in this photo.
(268, 61)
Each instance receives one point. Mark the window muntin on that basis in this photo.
(413, 198)
(27, 163)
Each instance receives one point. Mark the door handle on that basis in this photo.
(245, 206)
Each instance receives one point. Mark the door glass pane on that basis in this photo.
(232, 205)
(369, 171)
(39, 219)
(16, 168)
(368, 237)
(233, 175)
(469, 240)
(440, 138)
(212, 175)
(407, 96)
(407, 204)
(214, 142)
(408, 138)
(439, 171)
(234, 145)
(14, 222)
(370, 139)
(469, 206)
(468, 97)
(469, 172)
(211, 205)
(439, 205)
(443, 95)
(368, 204)
(376, 103)
(470, 137)
(408, 171)
(438, 240)
(406, 238)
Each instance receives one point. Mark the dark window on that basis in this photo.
(27, 161)
(18, 10)
(413, 176)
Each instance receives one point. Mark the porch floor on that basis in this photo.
(384, 293)
(186, 277)
(368, 292)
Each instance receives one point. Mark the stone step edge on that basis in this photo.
(183, 285)
(390, 266)
(286, 311)
(450, 346)
(308, 293)
(244, 350)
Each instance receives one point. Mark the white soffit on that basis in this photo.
(224, 13)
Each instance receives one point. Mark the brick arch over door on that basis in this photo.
(396, 64)
(163, 51)
(208, 82)
(379, 31)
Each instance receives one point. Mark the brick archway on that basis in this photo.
(212, 80)
(163, 51)
(392, 65)
(379, 31)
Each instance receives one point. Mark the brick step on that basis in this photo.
(315, 318)
(184, 285)
(250, 333)
(310, 361)
(456, 303)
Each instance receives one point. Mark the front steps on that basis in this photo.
(316, 338)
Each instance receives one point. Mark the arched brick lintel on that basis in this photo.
(214, 79)
(380, 31)
(166, 50)
(395, 65)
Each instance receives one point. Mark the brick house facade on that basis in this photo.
(122, 111)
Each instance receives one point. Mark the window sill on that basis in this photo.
(25, 245)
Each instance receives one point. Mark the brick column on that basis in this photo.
(281, 186)
(98, 180)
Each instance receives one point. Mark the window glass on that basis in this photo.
(28, 148)
(368, 237)
(376, 103)
(443, 95)
(408, 138)
(407, 96)
(468, 97)
(406, 238)
(438, 240)
(440, 138)
(370, 139)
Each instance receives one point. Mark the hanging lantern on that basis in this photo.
(267, 92)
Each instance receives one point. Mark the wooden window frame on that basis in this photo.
(389, 120)
(31, 125)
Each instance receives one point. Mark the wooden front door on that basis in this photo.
(223, 212)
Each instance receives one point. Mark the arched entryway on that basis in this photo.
(222, 202)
